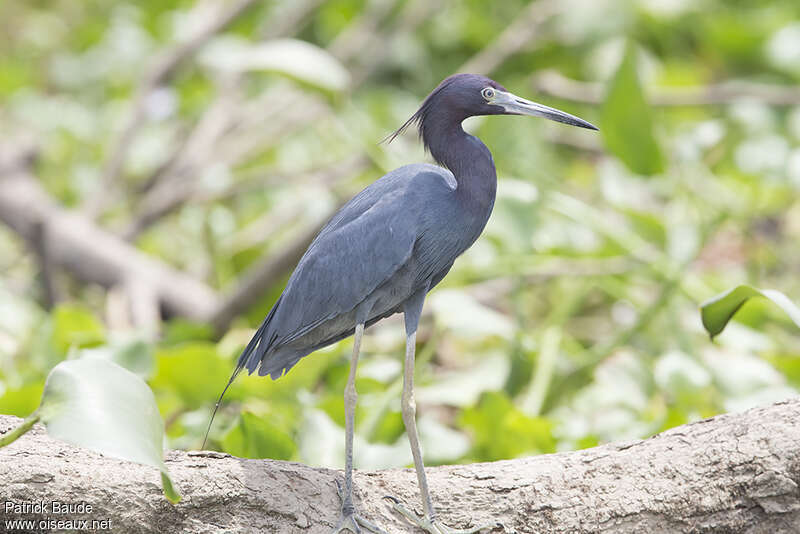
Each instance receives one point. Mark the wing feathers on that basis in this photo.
(341, 268)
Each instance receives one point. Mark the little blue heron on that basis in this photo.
(384, 250)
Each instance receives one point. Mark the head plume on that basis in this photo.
(420, 117)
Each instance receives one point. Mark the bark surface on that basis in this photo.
(736, 473)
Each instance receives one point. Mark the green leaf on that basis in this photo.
(181, 330)
(193, 370)
(717, 311)
(388, 429)
(501, 431)
(256, 437)
(626, 120)
(299, 60)
(23, 400)
(75, 326)
(97, 404)
(788, 364)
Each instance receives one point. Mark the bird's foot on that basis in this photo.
(432, 526)
(352, 522)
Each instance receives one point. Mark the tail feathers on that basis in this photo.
(257, 348)
(281, 361)
(251, 356)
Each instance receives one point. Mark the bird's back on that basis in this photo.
(382, 246)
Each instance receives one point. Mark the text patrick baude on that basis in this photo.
(47, 507)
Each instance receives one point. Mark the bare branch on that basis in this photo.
(514, 38)
(39, 243)
(174, 183)
(258, 278)
(263, 228)
(143, 306)
(380, 45)
(241, 139)
(159, 73)
(224, 136)
(289, 20)
(353, 40)
(94, 255)
(554, 84)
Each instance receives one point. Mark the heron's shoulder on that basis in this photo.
(389, 195)
(424, 174)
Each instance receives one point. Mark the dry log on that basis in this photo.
(736, 473)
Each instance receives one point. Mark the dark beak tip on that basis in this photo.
(586, 124)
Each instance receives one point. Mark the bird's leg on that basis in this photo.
(409, 408)
(350, 520)
(350, 398)
(428, 521)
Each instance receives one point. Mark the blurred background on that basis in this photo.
(164, 164)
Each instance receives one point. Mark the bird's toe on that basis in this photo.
(433, 526)
(355, 524)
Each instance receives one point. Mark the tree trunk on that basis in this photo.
(736, 473)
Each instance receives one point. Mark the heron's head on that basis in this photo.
(466, 95)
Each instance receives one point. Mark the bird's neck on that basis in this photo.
(467, 158)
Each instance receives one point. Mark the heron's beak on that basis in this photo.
(519, 106)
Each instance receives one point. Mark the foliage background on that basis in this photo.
(572, 321)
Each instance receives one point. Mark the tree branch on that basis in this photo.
(92, 254)
(38, 243)
(288, 18)
(736, 473)
(381, 44)
(159, 73)
(514, 38)
(258, 278)
(554, 84)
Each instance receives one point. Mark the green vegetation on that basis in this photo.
(97, 404)
(574, 320)
(718, 311)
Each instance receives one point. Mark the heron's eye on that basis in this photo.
(487, 93)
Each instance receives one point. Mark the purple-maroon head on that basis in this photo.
(466, 95)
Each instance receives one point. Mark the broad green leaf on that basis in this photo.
(97, 404)
(23, 400)
(501, 431)
(193, 370)
(788, 364)
(626, 120)
(302, 61)
(256, 437)
(718, 311)
(75, 326)
(389, 429)
(181, 330)
(333, 403)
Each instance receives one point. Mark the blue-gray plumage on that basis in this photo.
(386, 248)
(381, 248)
